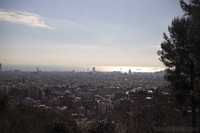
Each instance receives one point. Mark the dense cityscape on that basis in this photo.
(47, 86)
(82, 94)
(99, 66)
(110, 101)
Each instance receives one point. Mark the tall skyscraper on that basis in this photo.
(93, 69)
(38, 69)
(129, 71)
(0, 67)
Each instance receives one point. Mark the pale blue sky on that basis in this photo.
(84, 33)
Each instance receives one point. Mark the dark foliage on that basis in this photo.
(3, 103)
(175, 54)
(26, 119)
(102, 128)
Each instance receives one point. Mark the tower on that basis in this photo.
(93, 69)
(38, 69)
(129, 71)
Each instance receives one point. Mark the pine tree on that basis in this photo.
(181, 55)
(192, 12)
(175, 54)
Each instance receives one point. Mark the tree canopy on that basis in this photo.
(181, 49)
(175, 55)
(180, 54)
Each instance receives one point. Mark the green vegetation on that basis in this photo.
(180, 54)
(175, 55)
(26, 119)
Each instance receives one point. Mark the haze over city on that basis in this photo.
(99, 66)
(77, 35)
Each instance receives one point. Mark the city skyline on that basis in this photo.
(84, 34)
(123, 69)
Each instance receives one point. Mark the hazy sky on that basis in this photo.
(84, 33)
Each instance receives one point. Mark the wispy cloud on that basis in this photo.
(26, 18)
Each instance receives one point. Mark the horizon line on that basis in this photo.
(8, 67)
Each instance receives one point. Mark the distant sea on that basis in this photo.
(131, 68)
(89, 68)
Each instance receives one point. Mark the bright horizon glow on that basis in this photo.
(82, 34)
(123, 69)
(127, 68)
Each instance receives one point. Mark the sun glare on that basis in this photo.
(127, 68)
